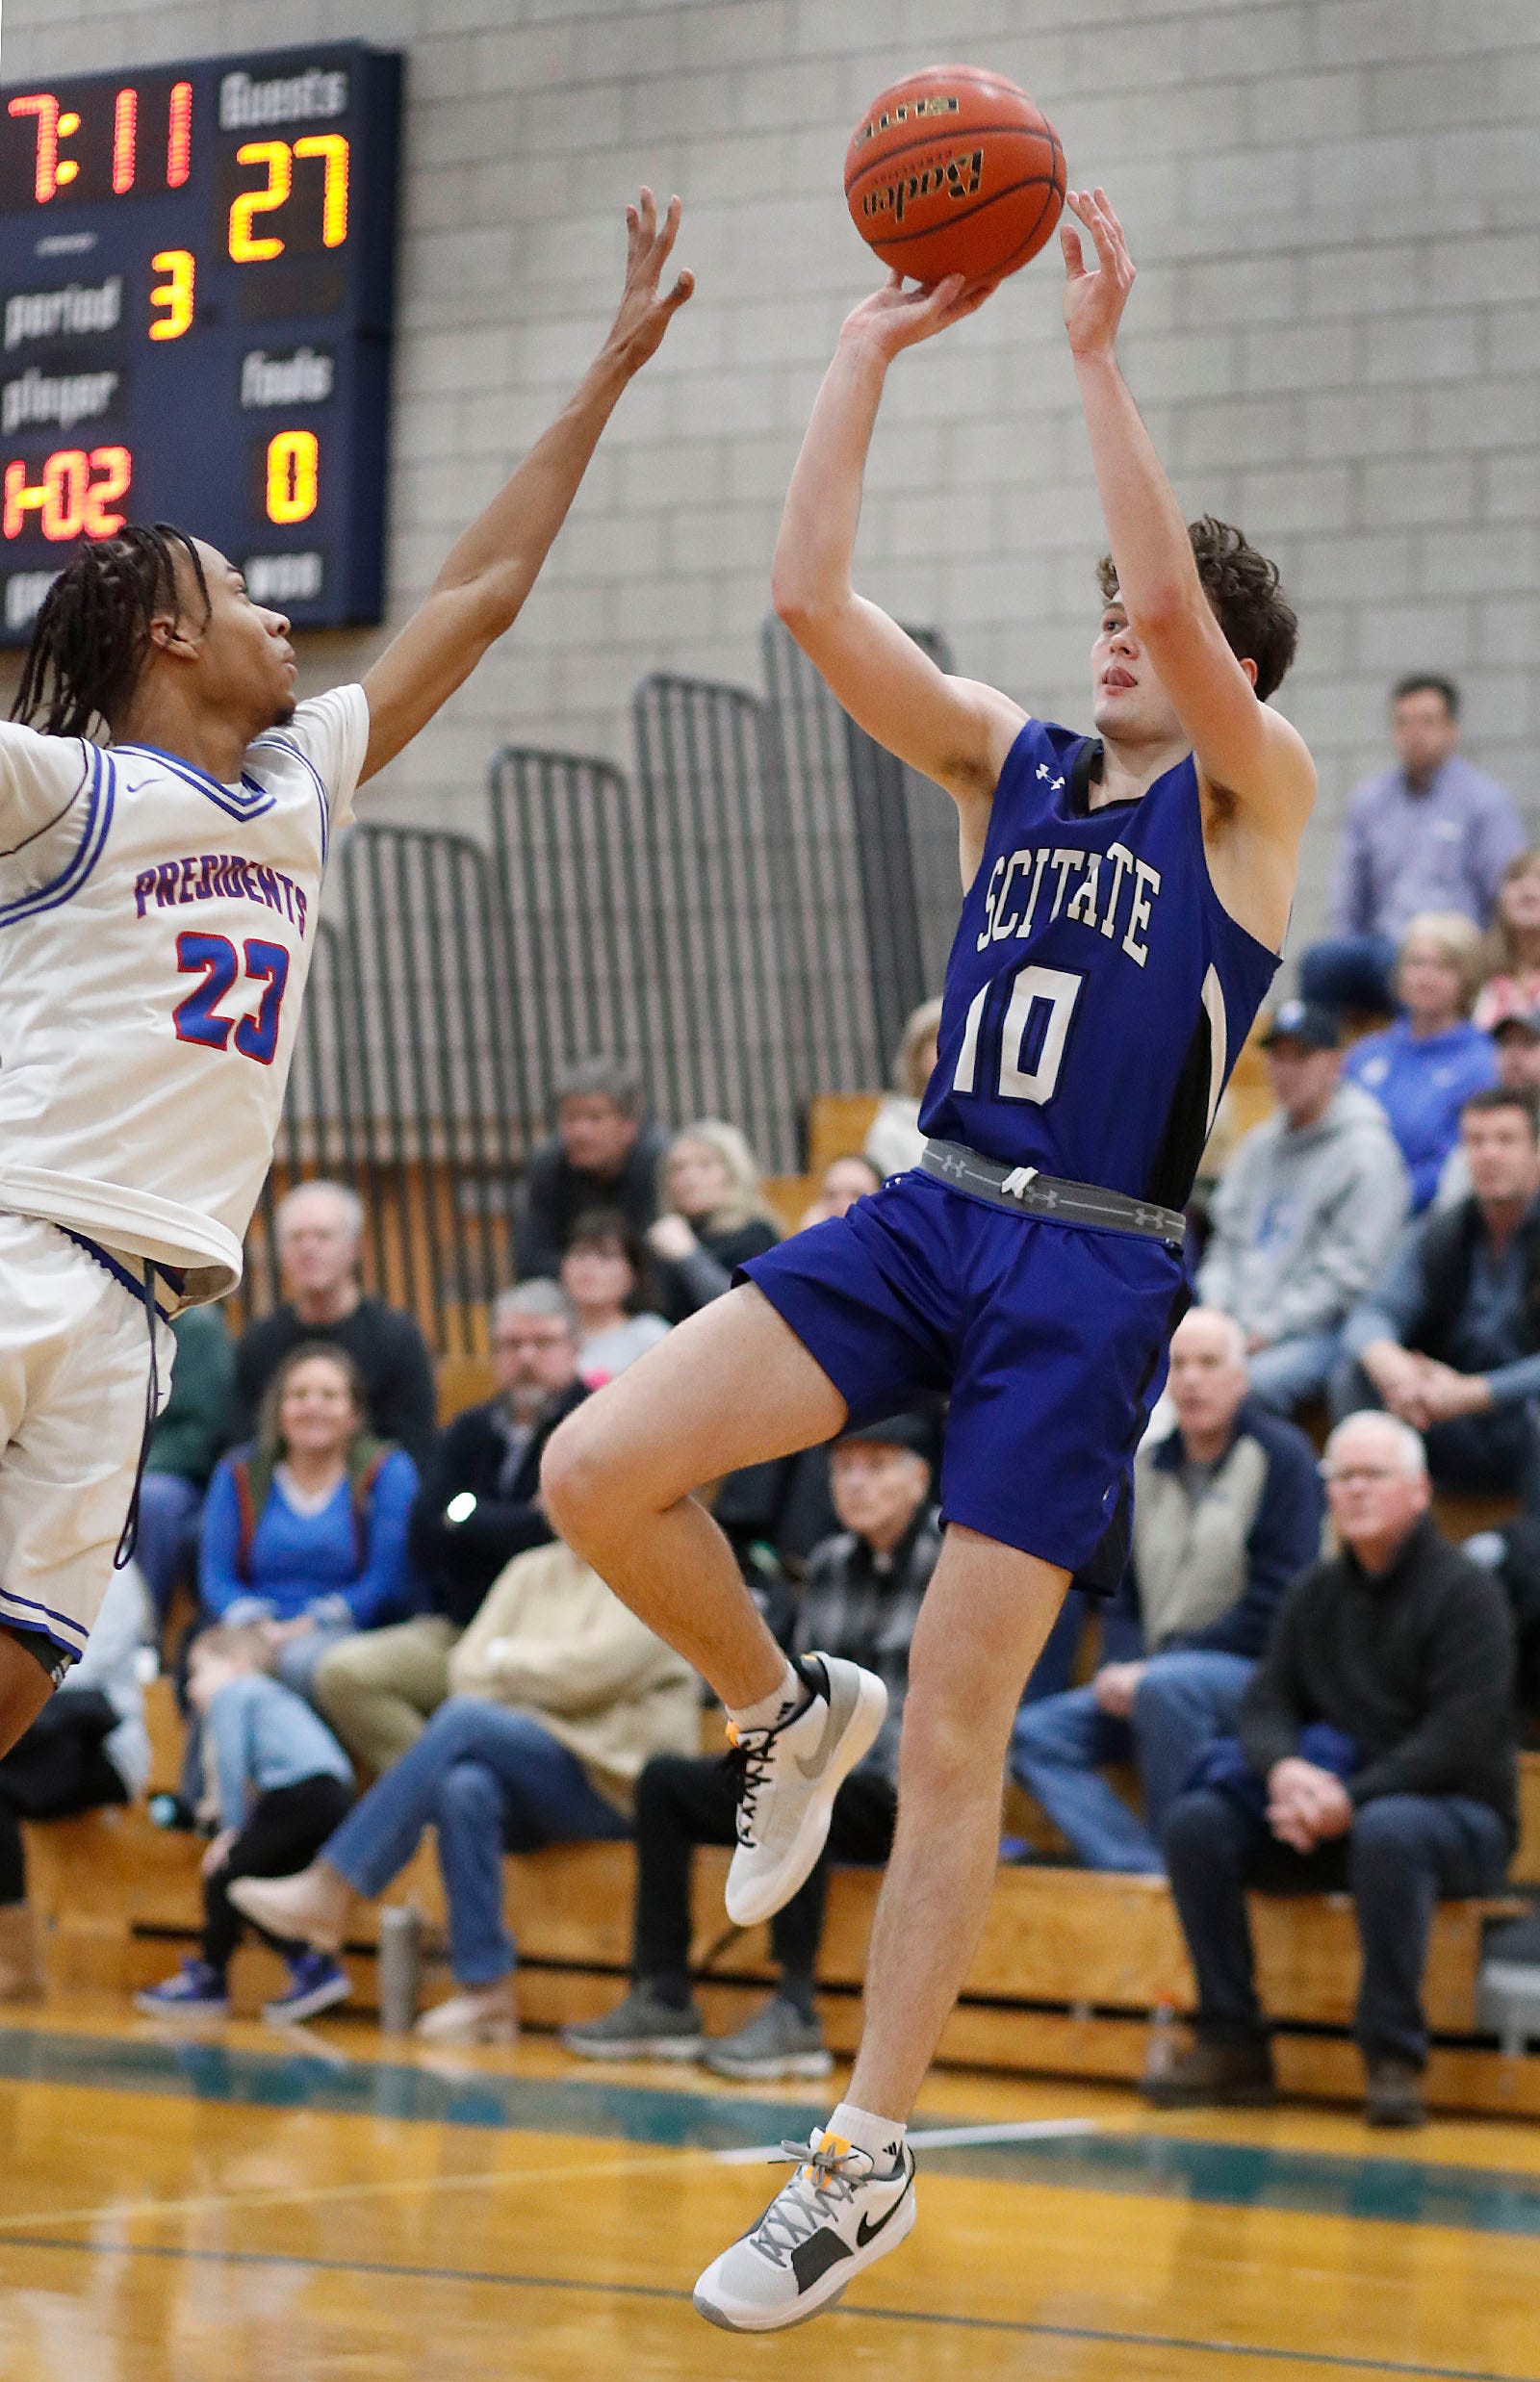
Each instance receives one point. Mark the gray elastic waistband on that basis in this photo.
(1024, 1192)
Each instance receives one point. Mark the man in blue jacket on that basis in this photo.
(1227, 1512)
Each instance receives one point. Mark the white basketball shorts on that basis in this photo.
(74, 1375)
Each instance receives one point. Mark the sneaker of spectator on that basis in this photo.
(478, 1507)
(862, 1600)
(604, 1152)
(1512, 988)
(779, 2041)
(1375, 1753)
(894, 1140)
(845, 1180)
(319, 1231)
(1433, 833)
(1448, 1339)
(1227, 1512)
(605, 1275)
(317, 1981)
(1423, 1068)
(715, 1217)
(1305, 1214)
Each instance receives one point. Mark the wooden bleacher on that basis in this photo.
(1071, 1968)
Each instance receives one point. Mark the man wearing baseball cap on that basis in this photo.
(862, 1600)
(1306, 1212)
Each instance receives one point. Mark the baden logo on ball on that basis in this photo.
(955, 170)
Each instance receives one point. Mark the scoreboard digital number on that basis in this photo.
(196, 280)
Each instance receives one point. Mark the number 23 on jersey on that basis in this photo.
(201, 1017)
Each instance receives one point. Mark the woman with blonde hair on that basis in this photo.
(1512, 988)
(895, 1141)
(715, 1216)
(1424, 1068)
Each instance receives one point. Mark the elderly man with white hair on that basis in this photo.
(1376, 1752)
(319, 1230)
(1226, 1514)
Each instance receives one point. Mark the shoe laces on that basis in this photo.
(825, 2178)
(753, 1756)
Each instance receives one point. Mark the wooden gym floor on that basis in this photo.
(324, 2207)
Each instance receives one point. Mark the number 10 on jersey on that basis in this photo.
(1034, 989)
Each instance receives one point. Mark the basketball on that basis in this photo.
(955, 170)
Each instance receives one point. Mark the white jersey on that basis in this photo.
(156, 928)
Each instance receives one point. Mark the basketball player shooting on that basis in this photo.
(1125, 898)
(158, 902)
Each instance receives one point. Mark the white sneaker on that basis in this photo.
(835, 2217)
(478, 2014)
(791, 1774)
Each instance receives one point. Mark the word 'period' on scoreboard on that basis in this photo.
(198, 267)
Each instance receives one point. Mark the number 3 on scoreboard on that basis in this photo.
(197, 1018)
(1033, 985)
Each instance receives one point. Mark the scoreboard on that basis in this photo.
(196, 281)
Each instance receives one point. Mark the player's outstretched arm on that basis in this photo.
(490, 569)
(954, 729)
(1245, 751)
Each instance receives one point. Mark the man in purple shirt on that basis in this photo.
(1433, 833)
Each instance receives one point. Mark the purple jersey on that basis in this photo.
(1097, 991)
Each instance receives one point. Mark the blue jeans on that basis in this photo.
(1400, 1854)
(489, 1782)
(300, 1658)
(1284, 1375)
(1183, 1701)
(168, 1508)
(1351, 971)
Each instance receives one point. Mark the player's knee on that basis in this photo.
(945, 1751)
(585, 1480)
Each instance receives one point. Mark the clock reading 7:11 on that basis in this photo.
(54, 172)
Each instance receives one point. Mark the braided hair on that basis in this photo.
(91, 636)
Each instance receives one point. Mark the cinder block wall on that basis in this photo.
(1335, 205)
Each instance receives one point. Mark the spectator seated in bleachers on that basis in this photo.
(279, 1783)
(561, 1699)
(187, 1443)
(604, 1152)
(1512, 986)
(1306, 1212)
(845, 1180)
(87, 1747)
(1423, 1068)
(1449, 1337)
(862, 1600)
(1516, 1041)
(1431, 834)
(604, 1273)
(1375, 1752)
(478, 1506)
(319, 1229)
(894, 1140)
(715, 1217)
(1227, 1511)
(304, 1531)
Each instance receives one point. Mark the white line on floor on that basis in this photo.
(941, 2138)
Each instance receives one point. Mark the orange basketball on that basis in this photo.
(955, 170)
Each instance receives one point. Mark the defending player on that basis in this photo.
(1126, 897)
(158, 902)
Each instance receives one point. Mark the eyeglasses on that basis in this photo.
(1336, 1479)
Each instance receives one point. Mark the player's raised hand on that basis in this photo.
(644, 314)
(895, 316)
(1094, 295)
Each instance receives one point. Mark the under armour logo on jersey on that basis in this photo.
(1020, 1181)
(1054, 784)
(953, 1163)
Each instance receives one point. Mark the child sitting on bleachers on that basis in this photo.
(279, 1784)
